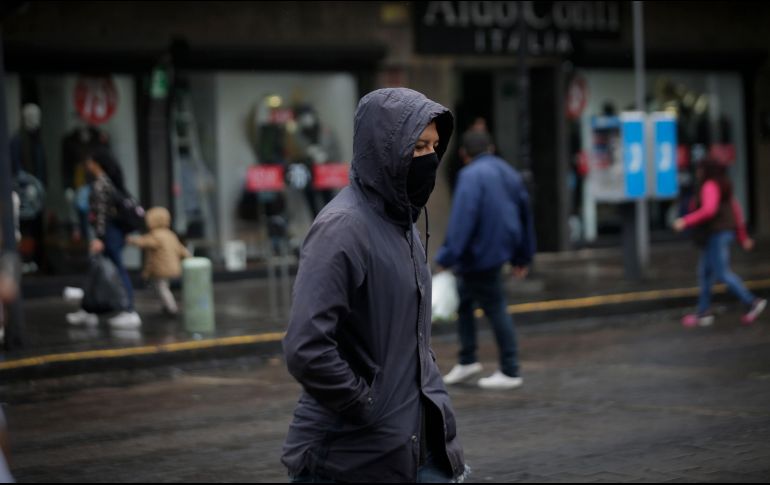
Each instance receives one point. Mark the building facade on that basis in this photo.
(196, 98)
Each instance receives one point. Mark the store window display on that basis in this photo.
(293, 138)
(61, 115)
(709, 110)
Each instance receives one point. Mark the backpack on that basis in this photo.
(31, 194)
(129, 214)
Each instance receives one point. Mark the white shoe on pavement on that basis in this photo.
(126, 321)
(73, 294)
(82, 317)
(461, 373)
(500, 381)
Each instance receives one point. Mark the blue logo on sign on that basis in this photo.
(634, 156)
(665, 157)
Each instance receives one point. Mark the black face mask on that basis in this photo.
(421, 179)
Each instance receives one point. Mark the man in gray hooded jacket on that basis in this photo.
(373, 407)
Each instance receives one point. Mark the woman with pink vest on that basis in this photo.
(715, 223)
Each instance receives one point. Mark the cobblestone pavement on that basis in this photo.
(615, 399)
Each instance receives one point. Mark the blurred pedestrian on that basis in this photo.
(716, 220)
(109, 238)
(163, 255)
(490, 225)
(373, 406)
(10, 271)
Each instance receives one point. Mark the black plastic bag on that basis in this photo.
(104, 291)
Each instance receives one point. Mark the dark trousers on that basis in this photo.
(485, 289)
(114, 242)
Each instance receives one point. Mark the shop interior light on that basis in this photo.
(274, 101)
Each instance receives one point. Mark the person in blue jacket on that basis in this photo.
(490, 225)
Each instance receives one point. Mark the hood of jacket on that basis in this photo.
(388, 123)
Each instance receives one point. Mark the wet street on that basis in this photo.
(614, 399)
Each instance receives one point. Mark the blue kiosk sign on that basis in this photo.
(633, 157)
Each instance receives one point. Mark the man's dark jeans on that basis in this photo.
(485, 288)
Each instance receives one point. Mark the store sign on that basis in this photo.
(485, 27)
(664, 148)
(331, 176)
(96, 99)
(265, 178)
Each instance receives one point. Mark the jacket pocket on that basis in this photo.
(450, 427)
(363, 411)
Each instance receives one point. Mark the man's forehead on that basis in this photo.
(430, 131)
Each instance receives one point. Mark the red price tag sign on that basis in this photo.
(96, 99)
(280, 116)
(331, 176)
(723, 153)
(265, 178)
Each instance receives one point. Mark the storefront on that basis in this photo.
(268, 142)
(200, 101)
(221, 124)
(579, 69)
(709, 111)
(52, 118)
(259, 104)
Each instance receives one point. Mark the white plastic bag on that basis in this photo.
(445, 299)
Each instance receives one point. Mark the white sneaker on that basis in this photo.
(72, 294)
(500, 381)
(125, 321)
(82, 317)
(461, 373)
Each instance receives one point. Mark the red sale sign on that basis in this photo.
(265, 178)
(331, 176)
(723, 153)
(96, 99)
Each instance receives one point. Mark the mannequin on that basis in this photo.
(30, 177)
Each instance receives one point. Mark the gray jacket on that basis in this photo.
(359, 334)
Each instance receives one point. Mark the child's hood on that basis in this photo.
(158, 218)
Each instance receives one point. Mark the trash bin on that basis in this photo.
(198, 296)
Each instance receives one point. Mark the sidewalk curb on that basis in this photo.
(130, 358)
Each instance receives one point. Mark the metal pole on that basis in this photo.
(525, 151)
(15, 327)
(636, 237)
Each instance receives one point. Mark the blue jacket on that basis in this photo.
(491, 221)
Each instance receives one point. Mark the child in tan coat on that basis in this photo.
(163, 255)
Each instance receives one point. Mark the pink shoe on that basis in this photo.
(693, 320)
(756, 308)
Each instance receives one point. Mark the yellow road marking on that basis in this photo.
(146, 350)
(637, 296)
(566, 304)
